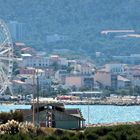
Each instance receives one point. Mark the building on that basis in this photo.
(106, 79)
(18, 46)
(123, 82)
(63, 62)
(133, 74)
(77, 81)
(130, 59)
(115, 68)
(87, 94)
(34, 61)
(60, 76)
(55, 38)
(28, 50)
(88, 82)
(27, 71)
(18, 30)
(21, 88)
(55, 115)
(30, 76)
(83, 69)
(74, 81)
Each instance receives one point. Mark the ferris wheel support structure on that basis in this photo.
(6, 57)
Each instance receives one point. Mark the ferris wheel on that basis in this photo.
(6, 57)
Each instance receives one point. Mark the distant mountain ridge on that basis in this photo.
(80, 20)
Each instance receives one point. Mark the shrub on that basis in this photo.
(81, 136)
(65, 138)
(59, 132)
(13, 127)
(103, 131)
(16, 115)
(133, 137)
(52, 138)
(91, 136)
(108, 137)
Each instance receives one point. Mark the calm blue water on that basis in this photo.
(97, 113)
(7, 108)
(109, 113)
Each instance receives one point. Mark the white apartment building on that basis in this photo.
(40, 61)
(34, 61)
(133, 73)
(115, 68)
(83, 68)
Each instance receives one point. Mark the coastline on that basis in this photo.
(75, 103)
(113, 124)
(113, 100)
(101, 102)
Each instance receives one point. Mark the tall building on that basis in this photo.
(17, 30)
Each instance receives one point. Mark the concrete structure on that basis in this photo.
(63, 62)
(87, 94)
(130, 59)
(28, 70)
(123, 82)
(21, 88)
(115, 68)
(74, 81)
(18, 46)
(54, 59)
(133, 73)
(34, 61)
(106, 79)
(18, 30)
(79, 81)
(88, 82)
(51, 38)
(60, 76)
(28, 50)
(68, 119)
(83, 69)
(34, 74)
(55, 115)
(38, 61)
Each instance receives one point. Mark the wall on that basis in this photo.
(66, 121)
(67, 124)
(73, 81)
(103, 77)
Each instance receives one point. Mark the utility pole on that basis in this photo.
(37, 80)
(33, 99)
(88, 110)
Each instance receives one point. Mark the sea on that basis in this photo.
(95, 114)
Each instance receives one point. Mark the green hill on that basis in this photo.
(80, 20)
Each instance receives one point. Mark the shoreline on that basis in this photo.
(117, 101)
(100, 103)
(113, 124)
(73, 103)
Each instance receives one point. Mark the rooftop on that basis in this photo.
(86, 92)
(19, 44)
(121, 78)
(26, 55)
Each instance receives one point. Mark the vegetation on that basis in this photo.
(121, 132)
(16, 115)
(13, 130)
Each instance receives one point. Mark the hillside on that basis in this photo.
(80, 20)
